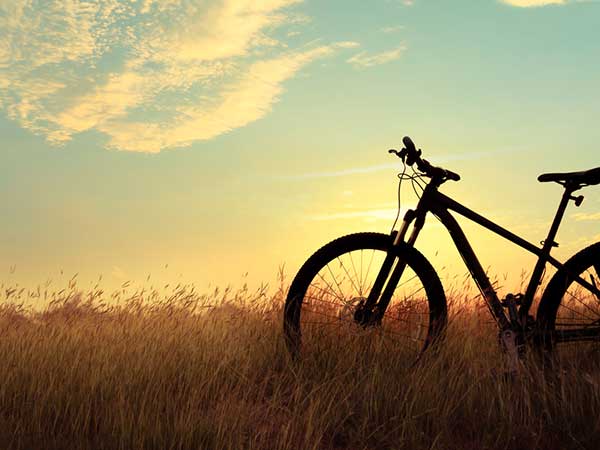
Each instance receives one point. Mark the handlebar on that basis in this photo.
(410, 155)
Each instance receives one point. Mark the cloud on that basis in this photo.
(364, 60)
(536, 3)
(344, 172)
(584, 217)
(149, 75)
(392, 29)
(396, 165)
(247, 99)
(368, 215)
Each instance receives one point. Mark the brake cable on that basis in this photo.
(414, 178)
(400, 178)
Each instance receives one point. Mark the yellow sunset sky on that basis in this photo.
(211, 142)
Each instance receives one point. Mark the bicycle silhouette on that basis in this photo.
(368, 284)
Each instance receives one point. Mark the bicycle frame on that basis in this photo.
(440, 206)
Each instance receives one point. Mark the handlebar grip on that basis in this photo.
(452, 175)
(412, 154)
(409, 144)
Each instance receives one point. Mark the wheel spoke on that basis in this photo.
(593, 279)
(578, 324)
(579, 320)
(407, 281)
(380, 330)
(578, 311)
(369, 268)
(349, 277)
(329, 286)
(336, 281)
(398, 319)
(341, 301)
(343, 305)
(583, 304)
(397, 305)
(355, 273)
(312, 311)
(361, 269)
(346, 304)
(414, 293)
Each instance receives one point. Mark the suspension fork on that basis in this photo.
(391, 259)
(386, 296)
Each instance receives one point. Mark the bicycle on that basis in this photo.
(356, 302)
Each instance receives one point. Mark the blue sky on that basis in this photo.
(200, 140)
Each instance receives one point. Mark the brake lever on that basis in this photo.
(400, 154)
(413, 158)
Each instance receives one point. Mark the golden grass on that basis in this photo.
(188, 371)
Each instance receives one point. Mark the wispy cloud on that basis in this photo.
(436, 160)
(367, 214)
(392, 29)
(150, 74)
(364, 59)
(343, 172)
(239, 103)
(584, 217)
(536, 3)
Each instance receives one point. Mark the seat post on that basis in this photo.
(547, 244)
(564, 201)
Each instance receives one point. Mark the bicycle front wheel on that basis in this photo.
(569, 313)
(324, 301)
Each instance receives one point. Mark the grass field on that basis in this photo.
(179, 370)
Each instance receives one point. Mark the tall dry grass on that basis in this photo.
(180, 370)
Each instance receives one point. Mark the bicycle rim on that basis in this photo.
(336, 284)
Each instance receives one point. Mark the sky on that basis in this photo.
(213, 142)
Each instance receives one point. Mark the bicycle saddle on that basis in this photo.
(585, 177)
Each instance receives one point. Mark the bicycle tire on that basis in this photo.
(563, 307)
(302, 284)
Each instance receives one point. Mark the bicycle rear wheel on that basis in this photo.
(323, 304)
(569, 313)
